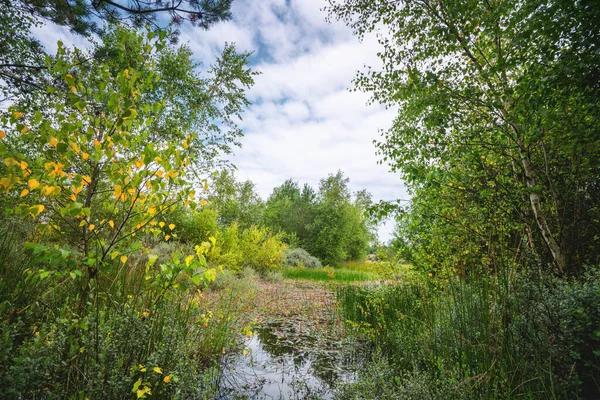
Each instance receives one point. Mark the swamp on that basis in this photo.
(299, 199)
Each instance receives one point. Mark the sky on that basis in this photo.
(304, 122)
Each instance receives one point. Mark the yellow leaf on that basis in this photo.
(91, 227)
(152, 210)
(167, 238)
(210, 274)
(7, 183)
(53, 141)
(161, 224)
(76, 190)
(139, 164)
(17, 115)
(2, 134)
(158, 370)
(37, 210)
(124, 259)
(111, 223)
(188, 260)
(23, 165)
(24, 193)
(73, 90)
(117, 192)
(97, 143)
(73, 197)
(160, 173)
(203, 202)
(205, 185)
(171, 226)
(85, 156)
(75, 147)
(24, 130)
(86, 180)
(167, 379)
(47, 190)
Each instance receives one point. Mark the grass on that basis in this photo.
(359, 265)
(494, 338)
(329, 274)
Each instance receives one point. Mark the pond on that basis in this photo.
(284, 361)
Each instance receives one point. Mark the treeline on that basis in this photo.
(330, 222)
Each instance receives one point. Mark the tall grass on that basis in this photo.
(329, 274)
(507, 337)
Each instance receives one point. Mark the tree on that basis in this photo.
(234, 201)
(104, 160)
(82, 16)
(362, 232)
(290, 209)
(22, 57)
(335, 223)
(498, 106)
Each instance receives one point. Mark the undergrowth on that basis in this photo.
(514, 336)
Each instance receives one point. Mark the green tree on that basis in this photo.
(290, 209)
(82, 16)
(103, 161)
(22, 57)
(497, 129)
(362, 232)
(234, 201)
(337, 227)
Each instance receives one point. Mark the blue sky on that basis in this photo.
(304, 122)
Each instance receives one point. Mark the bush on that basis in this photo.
(254, 247)
(301, 258)
(227, 250)
(195, 226)
(262, 250)
(273, 276)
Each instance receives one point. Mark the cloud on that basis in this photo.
(304, 123)
(49, 34)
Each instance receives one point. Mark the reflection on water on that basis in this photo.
(285, 363)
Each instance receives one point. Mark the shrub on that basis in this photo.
(273, 276)
(227, 250)
(254, 247)
(262, 250)
(301, 258)
(195, 226)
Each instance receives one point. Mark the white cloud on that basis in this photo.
(304, 123)
(49, 34)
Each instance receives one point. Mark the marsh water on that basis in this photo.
(284, 361)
